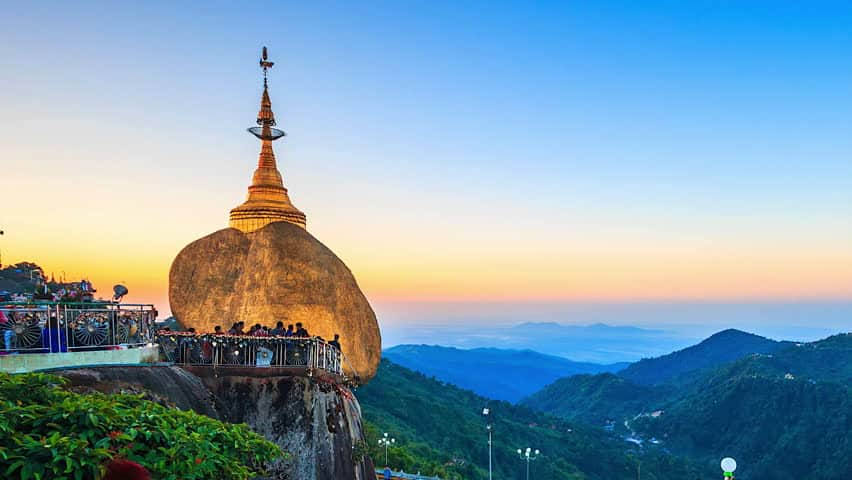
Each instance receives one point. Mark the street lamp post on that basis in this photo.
(729, 465)
(486, 412)
(528, 455)
(386, 442)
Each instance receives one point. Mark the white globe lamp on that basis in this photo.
(729, 465)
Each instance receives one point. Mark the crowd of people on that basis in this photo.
(82, 291)
(296, 330)
(292, 345)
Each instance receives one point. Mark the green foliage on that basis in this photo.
(440, 430)
(780, 426)
(49, 432)
(360, 449)
(16, 278)
(596, 399)
(785, 415)
(414, 456)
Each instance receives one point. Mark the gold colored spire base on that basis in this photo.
(268, 200)
(247, 219)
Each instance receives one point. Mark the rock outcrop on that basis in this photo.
(316, 422)
(277, 273)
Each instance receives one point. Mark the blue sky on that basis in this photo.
(449, 151)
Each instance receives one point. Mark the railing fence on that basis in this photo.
(240, 350)
(44, 328)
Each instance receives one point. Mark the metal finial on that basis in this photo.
(265, 64)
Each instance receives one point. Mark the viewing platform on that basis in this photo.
(274, 355)
(49, 335)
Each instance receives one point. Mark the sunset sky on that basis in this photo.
(447, 152)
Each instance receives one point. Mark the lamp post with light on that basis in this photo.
(528, 455)
(729, 465)
(386, 442)
(486, 412)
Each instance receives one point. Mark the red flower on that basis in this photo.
(114, 434)
(125, 470)
(197, 460)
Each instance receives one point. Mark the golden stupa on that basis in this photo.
(267, 200)
(268, 268)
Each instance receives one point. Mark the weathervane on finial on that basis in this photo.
(265, 64)
(265, 117)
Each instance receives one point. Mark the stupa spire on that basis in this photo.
(267, 200)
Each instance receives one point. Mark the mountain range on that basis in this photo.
(784, 413)
(439, 430)
(722, 347)
(493, 373)
(783, 409)
(511, 375)
(595, 343)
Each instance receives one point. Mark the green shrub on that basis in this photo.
(47, 432)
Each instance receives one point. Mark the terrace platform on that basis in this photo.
(52, 335)
(34, 362)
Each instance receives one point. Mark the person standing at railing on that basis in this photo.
(260, 331)
(53, 337)
(7, 331)
(333, 353)
(301, 331)
(303, 347)
(278, 331)
(206, 351)
(185, 344)
(207, 346)
(287, 358)
(236, 329)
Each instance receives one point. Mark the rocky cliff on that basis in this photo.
(317, 422)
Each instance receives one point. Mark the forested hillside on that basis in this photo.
(596, 399)
(786, 415)
(440, 426)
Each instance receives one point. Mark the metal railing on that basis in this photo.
(380, 475)
(247, 351)
(67, 327)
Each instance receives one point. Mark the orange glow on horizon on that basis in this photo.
(605, 278)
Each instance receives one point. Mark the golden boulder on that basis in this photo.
(279, 272)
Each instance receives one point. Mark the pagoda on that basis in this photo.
(267, 200)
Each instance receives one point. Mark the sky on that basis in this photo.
(475, 153)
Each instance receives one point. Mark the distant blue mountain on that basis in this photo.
(491, 372)
(722, 347)
(595, 343)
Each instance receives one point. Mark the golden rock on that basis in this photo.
(279, 272)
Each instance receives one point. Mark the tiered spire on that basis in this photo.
(268, 200)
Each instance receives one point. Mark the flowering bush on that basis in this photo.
(49, 432)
